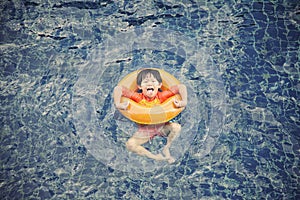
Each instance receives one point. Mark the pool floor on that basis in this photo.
(62, 138)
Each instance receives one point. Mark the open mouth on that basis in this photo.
(150, 89)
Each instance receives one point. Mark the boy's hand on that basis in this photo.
(179, 103)
(122, 106)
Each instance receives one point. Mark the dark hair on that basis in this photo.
(142, 74)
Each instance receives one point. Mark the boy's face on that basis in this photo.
(150, 86)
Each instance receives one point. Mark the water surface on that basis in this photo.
(62, 138)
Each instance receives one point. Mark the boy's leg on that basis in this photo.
(172, 130)
(134, 144)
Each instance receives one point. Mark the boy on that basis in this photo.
(149, 82)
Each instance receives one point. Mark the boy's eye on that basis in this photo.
(149, 81)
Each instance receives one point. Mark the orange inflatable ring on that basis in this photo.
(158, 113)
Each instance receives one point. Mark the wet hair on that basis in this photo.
(142, 74)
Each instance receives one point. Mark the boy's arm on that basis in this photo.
(117, 98)
(182, 91)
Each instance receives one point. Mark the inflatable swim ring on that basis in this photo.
(158, 113)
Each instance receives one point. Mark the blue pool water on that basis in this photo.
(62, 138)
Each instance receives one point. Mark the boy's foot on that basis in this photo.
(159, 157)
(166, 152)
(171, 160)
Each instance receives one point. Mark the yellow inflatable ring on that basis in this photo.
(156, 114)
